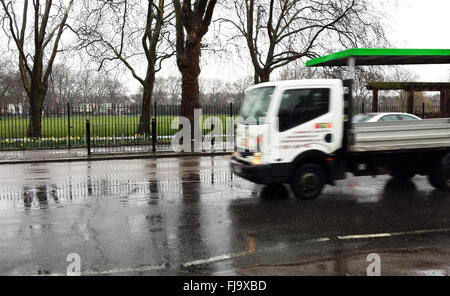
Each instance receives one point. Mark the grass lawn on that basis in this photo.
(105, 130)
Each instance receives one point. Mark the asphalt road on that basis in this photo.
(191, 216)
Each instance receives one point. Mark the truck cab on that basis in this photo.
(285, 123)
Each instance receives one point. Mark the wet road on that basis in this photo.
(191, 216)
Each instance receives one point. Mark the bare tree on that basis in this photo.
(278, 32)
(98, 88)
(113, 31)
(37, 49)
(63, 86)
(192, 24)
(11, 89)
(364, 75)
(167, 90)
(86, 85)
(238, 89)
(215, 92)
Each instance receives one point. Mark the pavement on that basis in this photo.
(98, 154)
(192, 216)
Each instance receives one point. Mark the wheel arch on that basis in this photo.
(316, 157)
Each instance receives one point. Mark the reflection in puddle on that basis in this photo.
(147, 181)
(150, 181)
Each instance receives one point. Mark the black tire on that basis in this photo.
(403, 175)
(439, 175)
(308, 181)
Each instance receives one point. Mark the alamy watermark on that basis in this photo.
(222, 133)
(374, 268)
(74, 267)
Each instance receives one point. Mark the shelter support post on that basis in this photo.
(351, 68)
(375, 101)
(410, 102)
(445, 112)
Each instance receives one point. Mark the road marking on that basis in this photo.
(217, 258)
(404, 233)
(319, 240)
(241, 254)
(379, 235)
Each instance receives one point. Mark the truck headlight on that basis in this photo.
(256, 160)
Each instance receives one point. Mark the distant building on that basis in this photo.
(16, 109)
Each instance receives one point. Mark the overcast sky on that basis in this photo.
(423, 24)
(414, 24)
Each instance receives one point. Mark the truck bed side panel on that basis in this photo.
(401, 135)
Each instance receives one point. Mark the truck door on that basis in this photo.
(310, 118)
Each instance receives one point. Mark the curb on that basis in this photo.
(117, 157)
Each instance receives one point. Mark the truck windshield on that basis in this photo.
(256, 104)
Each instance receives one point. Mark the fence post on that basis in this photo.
(213, 138)
(88, 136)
(363, 109)
(153, 135)
(423, 110)
(68, 124)
(232, 126)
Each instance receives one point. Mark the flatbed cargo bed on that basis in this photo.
(400, 135)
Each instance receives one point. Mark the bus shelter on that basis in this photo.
(410, 88)
(390, 56)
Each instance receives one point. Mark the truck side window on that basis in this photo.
(299, 106)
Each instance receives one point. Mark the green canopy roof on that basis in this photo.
(383, 56)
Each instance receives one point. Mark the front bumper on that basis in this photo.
(261, 174)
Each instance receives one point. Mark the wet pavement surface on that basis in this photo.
(57, 155)
(192, 216)
(41, 155)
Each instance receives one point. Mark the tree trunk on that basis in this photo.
(265, 76)
(144, 122)
(190, 89)
(262, 76)
(36, 97)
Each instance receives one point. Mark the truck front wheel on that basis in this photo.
(439, 175)
(308, 181)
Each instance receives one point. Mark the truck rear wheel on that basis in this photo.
(439, 175)
(308, 181)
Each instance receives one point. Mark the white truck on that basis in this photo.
(301, 133)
